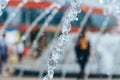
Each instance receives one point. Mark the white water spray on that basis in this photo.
(57, 50)
(3, 4)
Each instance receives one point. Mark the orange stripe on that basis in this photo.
(39, 5)
(85, 8)
(30, 4)
(13, 2)
(45, 4)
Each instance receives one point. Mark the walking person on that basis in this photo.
(20, 50)
(82, 50)
(3, 52)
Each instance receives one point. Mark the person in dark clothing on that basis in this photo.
(82, 50)
(3, 52)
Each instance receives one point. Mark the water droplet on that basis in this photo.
(23, 37)
(46, 78)
(76, 19)
(52, 63)
(57, 50)
(3, 3)
(1, 12)
(51, 72)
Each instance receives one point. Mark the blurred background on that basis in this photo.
(29, 29)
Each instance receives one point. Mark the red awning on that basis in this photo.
(45, 4)
(95, 10)
(30, 4)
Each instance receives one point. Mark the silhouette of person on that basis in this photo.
(20, 49)
(3, 51)
(82, 50)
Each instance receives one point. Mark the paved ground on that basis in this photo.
(33, 78)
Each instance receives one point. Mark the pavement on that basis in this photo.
(36, 78)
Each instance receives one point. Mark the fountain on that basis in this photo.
(56, 52)
(47, 50)
(57, 49)
(34, 23)
(3, 4)
(13, 14)
(44, 27)
(108, 10)
(104, 25)
(54, 12)
(52, 62)
(79, 32)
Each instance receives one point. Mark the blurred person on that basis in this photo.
(40, 47)
(3, 52)
(12, 57)
(20, 50)
(42, 42)
(13, 53)
(82, 50)
(26, 50)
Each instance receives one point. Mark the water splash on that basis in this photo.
(3, 4)
(45, 25)
(109, 5)
(44, 53)
(108, 10)
(57, 50)
(54, 12)
(34, 23)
